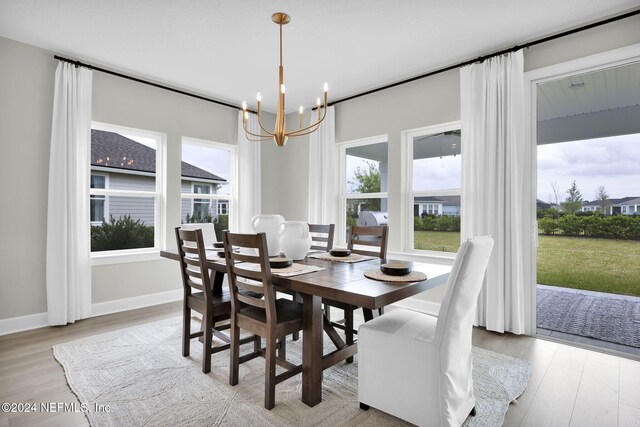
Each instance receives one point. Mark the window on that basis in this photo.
(201, 207)
(434, 183)
(125, 191)
(363, 182)
(97, 206)
(206, 183)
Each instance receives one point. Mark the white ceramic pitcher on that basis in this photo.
(268, 224)
(295, 240)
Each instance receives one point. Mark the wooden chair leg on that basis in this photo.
(327, 312)
(348, 331)
(257, 343)
(234, 355)
(282, 348)
(297, 298)
(186, 330)
(207, 343)
(270, 374)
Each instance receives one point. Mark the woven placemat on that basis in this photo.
(293, 268)
(349, 258)
(414, 276)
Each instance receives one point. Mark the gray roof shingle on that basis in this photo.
(112, 150)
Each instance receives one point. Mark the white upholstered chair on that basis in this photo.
(418, 367)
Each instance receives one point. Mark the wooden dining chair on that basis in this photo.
(322, 237)
(199, 296)
(268, 317)
(360, 240)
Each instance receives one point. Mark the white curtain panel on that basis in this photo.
(68, 239)
(248, 189)
(493, 165)
(322, 171)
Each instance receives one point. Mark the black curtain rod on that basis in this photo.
(491, 55)
(146, 82)
(421, 76)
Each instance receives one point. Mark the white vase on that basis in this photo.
(268, 224)
(295, 240)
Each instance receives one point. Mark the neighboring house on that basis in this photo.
(440, 205)
(120, 163)
(623, 206)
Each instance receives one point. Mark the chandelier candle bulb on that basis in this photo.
(259, 96)
(326, 87)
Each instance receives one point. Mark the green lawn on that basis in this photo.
(603, 265)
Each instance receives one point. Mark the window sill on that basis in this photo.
(122, 258)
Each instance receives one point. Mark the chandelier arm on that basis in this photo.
(258, 135)
(297, 134)
(264, 138)
(300, 132)
(263, 128)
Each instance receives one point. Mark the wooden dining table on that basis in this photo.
(338, 281)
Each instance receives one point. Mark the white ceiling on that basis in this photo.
(229, 49)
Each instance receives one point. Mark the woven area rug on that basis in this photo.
(140, 373)
(607, 318)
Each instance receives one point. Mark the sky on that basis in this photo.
(613, 162)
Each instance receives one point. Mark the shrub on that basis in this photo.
(121, 233)
(570, 225)
(548, 225)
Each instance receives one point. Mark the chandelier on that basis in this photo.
(280, 134)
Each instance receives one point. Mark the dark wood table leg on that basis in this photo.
(312, 350)
(217, 277)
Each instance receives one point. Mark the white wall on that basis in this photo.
(26, 106)
(26, 88)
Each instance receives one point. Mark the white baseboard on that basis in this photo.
(416, 304)
(23, 323)
(40, 320)
(132, 303)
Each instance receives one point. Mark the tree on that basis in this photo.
(573, 202)
(556, 194)
(602, 197)
(367, 180)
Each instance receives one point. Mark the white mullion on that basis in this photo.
(366, 196)
(123, 193)
(206, 196)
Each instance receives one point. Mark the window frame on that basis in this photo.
(408, 192)
(158, 195)
(105, 175)
(343, 196)
(228, 198)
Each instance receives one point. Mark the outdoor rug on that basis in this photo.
(611, 318)
(140, 374)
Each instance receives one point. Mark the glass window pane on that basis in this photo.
(98, 181)
(437, 167)
(437, 162)
(130, 224)
(96, 208)
(367, 168)
(205, 169)
(366, 212)
(129, 160)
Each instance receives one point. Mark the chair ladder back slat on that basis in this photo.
(327, 231)
(380, 233)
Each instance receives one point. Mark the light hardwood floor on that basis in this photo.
(569, 386)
